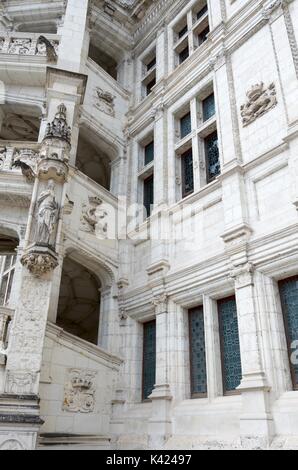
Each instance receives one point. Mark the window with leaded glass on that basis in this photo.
(149, 358)
(149, 194)
(185, 125)
(212, 156)
(184, 54)
(149, 153)
(289, 300)
(230, 345)
(198, 370)
(187, 173)
(208, 105)
(7, 267)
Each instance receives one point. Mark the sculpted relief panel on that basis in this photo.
(259, 101)
(79, 392)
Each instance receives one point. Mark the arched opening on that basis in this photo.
(103, 59)
(79, 301)
(94, 158)
(19, 123)
(8, 245)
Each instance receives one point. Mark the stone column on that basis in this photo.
(160, 426)
(256, 422)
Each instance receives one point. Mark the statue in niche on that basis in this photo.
(47, 215)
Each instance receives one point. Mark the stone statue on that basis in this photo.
(47, 215)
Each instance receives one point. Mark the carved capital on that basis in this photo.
(39, 263)
(160, 303)
(243, 275)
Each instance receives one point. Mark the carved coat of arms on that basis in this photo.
(259, 101)
(79, 392)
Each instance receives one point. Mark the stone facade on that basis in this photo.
(107, 107)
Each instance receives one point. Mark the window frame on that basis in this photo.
(151, 322)
(196, 395)
(226, 393)
(287, 334)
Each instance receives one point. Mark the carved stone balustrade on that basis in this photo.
(23, 44)
(6, 316)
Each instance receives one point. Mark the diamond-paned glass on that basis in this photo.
(289, 300)
(230, 345)
(208, 107)
(212, 156)
(185, 125)
(149, 359)
(197, 352)
(187, 173)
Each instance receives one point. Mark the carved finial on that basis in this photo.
(58, 128)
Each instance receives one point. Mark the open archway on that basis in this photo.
(79, 301)
(94, 157)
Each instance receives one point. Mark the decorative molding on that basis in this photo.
(79, 392)
(11, 445)
(260, 101)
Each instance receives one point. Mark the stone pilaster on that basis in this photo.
(160, 425)
(19, 405)
(256, 422)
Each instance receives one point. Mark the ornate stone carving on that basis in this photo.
(11, 444)
(93, 218)
(105, 102)
(243, 275)
(44, 47)
(2, 157)
(20, 383)
(47, 216)
(160, 303)
(39, 263)
(2, 41)
(260, 100)
(79, 392)
(58, 128)
(26, 160)
(20, 46)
